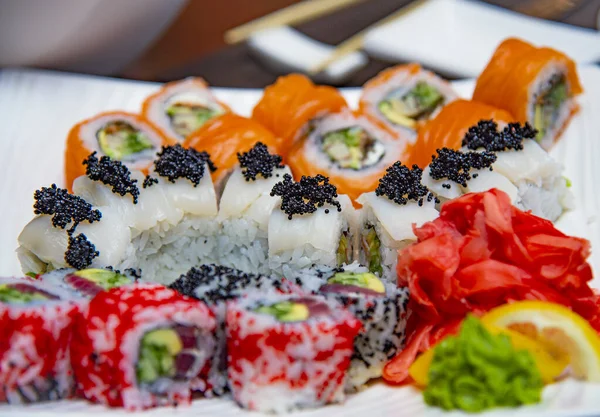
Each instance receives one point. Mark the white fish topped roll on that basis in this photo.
(388, 215)
(311, 225)
(181, 107)
(163, 227)
(510, 160)
(404, 96)
(245, 207)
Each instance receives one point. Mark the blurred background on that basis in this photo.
(162, 40)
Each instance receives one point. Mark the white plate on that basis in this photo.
(458, 37)
(38, 108)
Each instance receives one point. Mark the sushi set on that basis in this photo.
(312, 256)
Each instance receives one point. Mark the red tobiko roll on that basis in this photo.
(480, 253)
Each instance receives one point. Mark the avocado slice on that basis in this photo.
(421, 100)
(342, 252)
(103, 277)
(11, 295)
(118, 140)
(286, 311)
(363, 280)
(390, 109)
(373, 245)
(158, 349)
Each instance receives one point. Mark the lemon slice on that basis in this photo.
(560, 330)
(550, 366)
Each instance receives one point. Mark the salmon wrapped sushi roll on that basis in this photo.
(36, 321)
(404, 96)
(180, 107)
(289, 106)
(122, 136)
(142, 346)
(226, 136)
(449, 127)
(536, 85)
(288, 352)
(349, 149)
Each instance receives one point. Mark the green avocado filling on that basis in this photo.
(120, 140)
(568, 182)
(185, 118)
(363, 280)
(104, 278)
(12, 295)
(476, 371)
(416, 104)
(286, 311)
(32, 275)
(548, 104)
(158, 350)
(344, 252)
(371, 246)
(352, 148)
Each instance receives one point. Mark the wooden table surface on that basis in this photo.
(234, 66)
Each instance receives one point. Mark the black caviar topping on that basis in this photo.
(149, 181)
(486, 135)
(178, 162)
(401, 184)
(257, 161)
(65, 208)
(113, 173)
(306, 195)
(81, 252)
(214, 283)
(456, 165)
(135, 273)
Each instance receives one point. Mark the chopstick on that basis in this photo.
(355, 42)
(304, 11)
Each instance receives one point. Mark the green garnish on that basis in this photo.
(103, 277)
(569, 182)
(158, 349)
(476, 371)
(31, 274)
(362, 280)
(286, 311)
(373, 253)
(12, 295)
(119, 140)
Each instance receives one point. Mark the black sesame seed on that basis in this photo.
(258, 161)
(456, 165)
(176, 162)
(80, 252)
(112, 173)
(149, 181)
(401, 184)
(486, 135)
(65, 208)
(306, 195)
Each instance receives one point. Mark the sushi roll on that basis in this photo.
(536, 85)
(245, 207)
(87, 283)
(288, 352)
(181, 107)
(381, 308)
(449, 127)
(142, 346)
(122, 136)
(163, 223)
(289, 107)
(310, 225)
(215, 285)
(404, 96)
(388, 215)
(36, 323)
(349, 149)
(226, 136)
